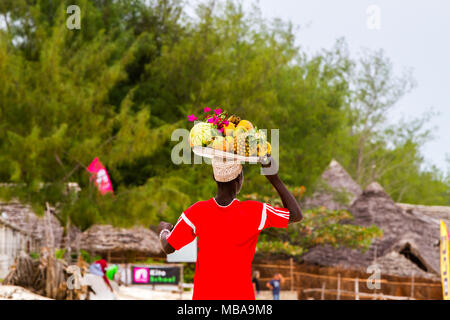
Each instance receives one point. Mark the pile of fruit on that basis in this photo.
(229, 134)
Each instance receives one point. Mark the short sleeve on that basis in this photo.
(183, 233)
(274, 217)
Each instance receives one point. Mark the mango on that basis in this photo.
(246, 124)
(229, 129)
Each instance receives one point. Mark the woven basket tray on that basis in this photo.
(211, 153)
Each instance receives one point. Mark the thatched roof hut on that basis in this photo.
(119, 243)
(410, 244)
(335, 189)
(99, 239)
(23, 217)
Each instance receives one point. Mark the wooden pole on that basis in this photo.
(338, 297)
(50, 271)
(291, 262)
(356, 289)
(181, 282)
(128, 280)
(67, 244)
(48, 228)
(322, 295)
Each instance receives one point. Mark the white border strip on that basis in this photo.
(188, 222)
(183, 216)
(263, 217)
(226, 205)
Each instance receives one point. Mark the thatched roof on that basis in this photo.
(405, 235)
(397, 264)
(106, 238)
(98, 238)
(23, 217)
(431, 214)
(7, 224)
(334, 183)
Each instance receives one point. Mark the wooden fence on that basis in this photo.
(312, 285)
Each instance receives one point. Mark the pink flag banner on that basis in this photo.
(100, 176)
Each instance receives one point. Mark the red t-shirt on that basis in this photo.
(227, 237)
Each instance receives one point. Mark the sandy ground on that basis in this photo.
(146, 293)
(18, 293)
(135, 292)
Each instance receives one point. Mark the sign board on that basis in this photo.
(186, 254)
(445, 263)
(155, 275)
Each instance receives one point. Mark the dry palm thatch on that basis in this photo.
(23, 217)
(431, 214)
(46, 276)
(335, 189)
(106, 238)
(22, 272)
(409, 244)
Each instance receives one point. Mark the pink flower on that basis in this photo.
(216, 120)
(218, 111)
(225, 123)
(192, 118)
(221, 130)
(211, 120)
(207, 109)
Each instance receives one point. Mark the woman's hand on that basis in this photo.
(265, 161)
(268, 165)
(164, 225)
(165, 245)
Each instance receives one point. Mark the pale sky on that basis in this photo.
(413, 33)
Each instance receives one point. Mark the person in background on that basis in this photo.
(255, 281)
(275, 285)
(103, 264)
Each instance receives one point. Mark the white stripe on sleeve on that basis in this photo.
(263, 217)
(188, 222)
(283, 215)
(284, 211)
(183, 216)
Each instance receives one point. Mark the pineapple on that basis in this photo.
(240, 145)
(246, 144)
(262, 143)
(252, 140)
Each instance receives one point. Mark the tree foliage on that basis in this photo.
(319, 226)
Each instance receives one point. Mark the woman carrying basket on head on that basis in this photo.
(227, 231)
